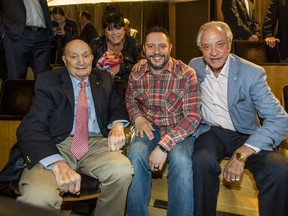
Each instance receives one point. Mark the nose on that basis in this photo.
(214, 50)
(156, 50)
(81, 61)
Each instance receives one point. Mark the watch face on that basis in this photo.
(240, 157)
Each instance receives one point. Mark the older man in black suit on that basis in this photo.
(48, 132)
(27, 33)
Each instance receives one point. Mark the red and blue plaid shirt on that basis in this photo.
(170, 101)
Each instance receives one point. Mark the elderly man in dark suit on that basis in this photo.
(277, 13)
(240, 15)
(48, 132)
(27, 33)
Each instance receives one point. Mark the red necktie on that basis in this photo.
(79, 144)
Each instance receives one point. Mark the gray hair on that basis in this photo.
(214, 24)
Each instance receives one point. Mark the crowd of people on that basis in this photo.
(189, 115)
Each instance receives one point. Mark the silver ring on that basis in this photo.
(232, 179)
(237, 179)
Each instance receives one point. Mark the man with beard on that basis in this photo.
(163, 100)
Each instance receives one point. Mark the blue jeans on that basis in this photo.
(180, 176)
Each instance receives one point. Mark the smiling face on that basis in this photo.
(215, 47)
(157, 51)
(115, 35)
(78, 59)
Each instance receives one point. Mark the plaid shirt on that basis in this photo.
(170, 101)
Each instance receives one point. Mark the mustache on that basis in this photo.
(156, 55)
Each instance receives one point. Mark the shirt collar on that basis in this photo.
(76, 82)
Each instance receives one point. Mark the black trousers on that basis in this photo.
(33, 49)
(269, 169)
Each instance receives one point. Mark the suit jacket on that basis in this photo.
(13, 18)
(249, 96)
(235, 14)
(277, 11)
(88, 33)
(50, 118)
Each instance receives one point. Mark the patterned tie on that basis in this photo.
(79, 144)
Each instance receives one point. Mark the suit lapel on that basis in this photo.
(67, 86)
(96, 89)
(232, 79)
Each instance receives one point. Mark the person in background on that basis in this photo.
(88, 31)
(48, 136)
(64, 30)
(277, 13)
(115, 51)
(130, 31)
(235, 95)
(163, 101)
(240, 15)
(26, 36)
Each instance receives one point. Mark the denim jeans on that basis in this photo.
(180, 176)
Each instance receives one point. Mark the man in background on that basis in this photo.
(277, 14)
(240, 15)
(130, 31)
(88, 31)
(26, 30)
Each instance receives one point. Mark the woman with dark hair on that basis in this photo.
(115, 51)
(64, 30)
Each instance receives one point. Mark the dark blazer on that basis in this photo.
(13, 14)
(50, 118)
(277, 11)
(88, 33)
(235, 15)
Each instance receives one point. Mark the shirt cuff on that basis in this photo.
(46, 162)
(257, 150)
(125, 123)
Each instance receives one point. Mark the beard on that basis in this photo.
(158, 67)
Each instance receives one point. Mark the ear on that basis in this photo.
(64, 59)
(170, 48)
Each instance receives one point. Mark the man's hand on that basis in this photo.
(139, 64)
(253, 38)
(142, 125)
(116, 137)
(157, 159)
(234, 169)
(68, 180)
(271, 41)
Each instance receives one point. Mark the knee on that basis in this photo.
(138, 152)
(204, 162)
(278, 173)
(44, 197)
(123, 171)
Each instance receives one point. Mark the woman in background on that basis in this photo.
(115, 51)
(64, 30)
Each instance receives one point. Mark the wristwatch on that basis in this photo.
(240, 157)
(162, 148)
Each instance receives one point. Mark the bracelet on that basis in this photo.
(162, 148)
